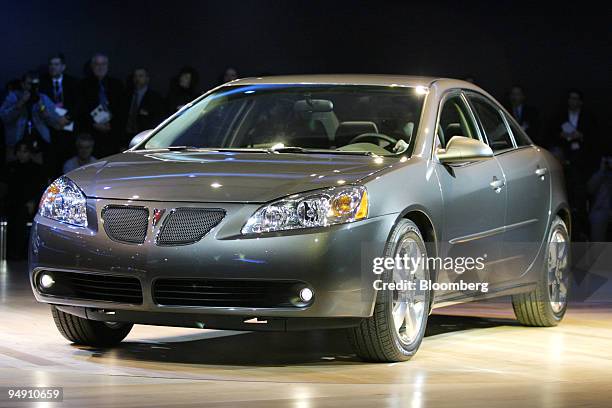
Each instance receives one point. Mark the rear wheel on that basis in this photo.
(89, 332)
(547, 303)
(395, 330)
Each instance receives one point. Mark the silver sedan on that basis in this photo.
(302, 202)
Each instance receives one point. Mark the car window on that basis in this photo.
(455, 120)
(492, 123)
(520, 137)
(346, 118)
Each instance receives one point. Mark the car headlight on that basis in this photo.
(63, 201)
(319, 208)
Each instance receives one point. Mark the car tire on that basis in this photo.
(545, 306)
(377, 338)
(89, 332)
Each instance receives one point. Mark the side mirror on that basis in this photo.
(139, 138)
(461, 149)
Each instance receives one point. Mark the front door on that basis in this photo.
(474, 197)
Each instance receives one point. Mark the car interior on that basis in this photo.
(377, 122)
(491, 120)
(315, 124)
(454, 121)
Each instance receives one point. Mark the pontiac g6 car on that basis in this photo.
(261, 205)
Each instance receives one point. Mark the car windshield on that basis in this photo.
(380, 120)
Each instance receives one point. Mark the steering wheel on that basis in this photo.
(373, 137)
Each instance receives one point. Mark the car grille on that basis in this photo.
(87, 286)
(226, 293)
(188, 225)
(125, 223)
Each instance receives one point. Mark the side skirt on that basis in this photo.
(454, 299)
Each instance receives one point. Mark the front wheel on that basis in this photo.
(546, 305)
(89, 332)
(396, 328)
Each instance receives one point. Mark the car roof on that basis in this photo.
(357, 79)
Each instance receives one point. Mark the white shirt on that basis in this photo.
(573, 117)
(57, 84)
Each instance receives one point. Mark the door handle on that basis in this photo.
(541, 172)
(497, 184)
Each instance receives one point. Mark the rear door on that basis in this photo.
(527, 185)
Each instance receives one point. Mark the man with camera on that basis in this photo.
(28, 115)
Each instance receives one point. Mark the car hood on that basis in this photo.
(219, 176)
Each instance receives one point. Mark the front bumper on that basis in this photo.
(336, 262)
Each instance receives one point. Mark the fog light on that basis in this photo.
(46, 281)
(306, 295)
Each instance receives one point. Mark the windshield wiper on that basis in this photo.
(296, 149)
(354, 152)
(206, 149)
(238, 149)
(178, 148)
(288, 149)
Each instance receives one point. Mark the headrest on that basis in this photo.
(355, 128)
(452, 129)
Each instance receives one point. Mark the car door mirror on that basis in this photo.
(461, 149)
(139, 138)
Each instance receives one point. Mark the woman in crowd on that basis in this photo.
(183, 89)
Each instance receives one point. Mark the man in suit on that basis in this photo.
(574, 134)
(63, 91)
(102, 111)
(145, 106)
(525, 115)
(574, 140)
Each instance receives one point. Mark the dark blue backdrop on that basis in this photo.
(547, 48)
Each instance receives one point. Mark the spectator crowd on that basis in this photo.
(53, 123)
(573, 137)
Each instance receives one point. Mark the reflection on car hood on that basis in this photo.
(210, 176)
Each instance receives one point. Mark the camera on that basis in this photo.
(35, 90)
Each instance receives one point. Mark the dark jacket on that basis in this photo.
(178, 97)
(69, 95)
(20, 193)
(150, 113)
(529, 120)
(89, 99)
(89, 88)
(582, 155)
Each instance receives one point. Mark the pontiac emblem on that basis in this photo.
(157, 214)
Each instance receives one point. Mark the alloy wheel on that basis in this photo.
(557, 265)
(409, 304)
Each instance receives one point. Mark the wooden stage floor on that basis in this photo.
(474, 355)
